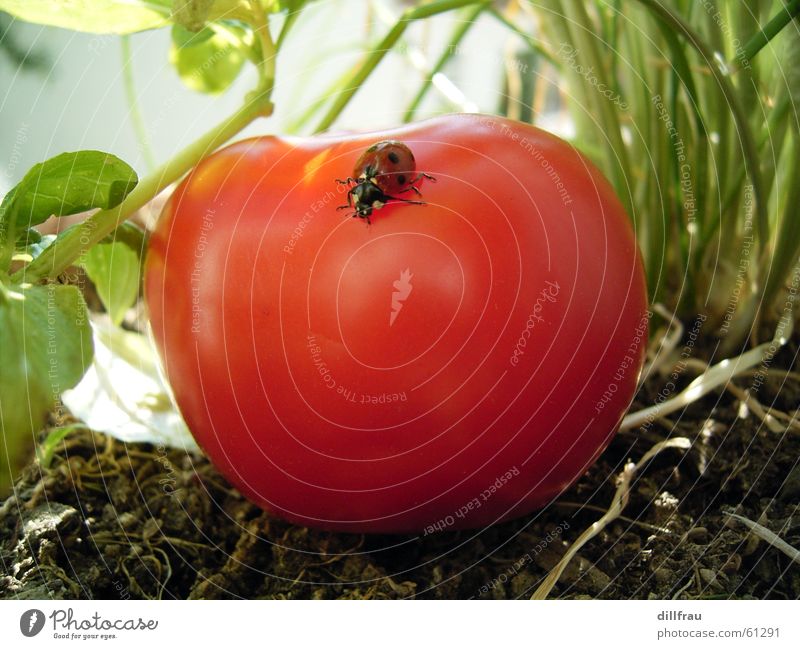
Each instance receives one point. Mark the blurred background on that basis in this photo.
(72, 94)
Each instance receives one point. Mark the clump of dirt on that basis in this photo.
(114, 520)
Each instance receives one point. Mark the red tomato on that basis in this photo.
(452, 365)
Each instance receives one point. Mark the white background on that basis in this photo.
(414, 624)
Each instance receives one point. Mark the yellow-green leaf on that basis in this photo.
(115, 271)
(47, 347)
(94, 16)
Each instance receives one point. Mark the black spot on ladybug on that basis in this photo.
(393, 157)
(401, 179)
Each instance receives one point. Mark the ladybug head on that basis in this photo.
(367, 196)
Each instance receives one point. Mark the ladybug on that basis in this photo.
(385, 169)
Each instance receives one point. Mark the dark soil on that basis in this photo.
(111, 520)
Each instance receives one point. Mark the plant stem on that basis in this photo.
(776, 264)
(461, 31)
(529, 40)
(317, 104)
(744, 131)
(74, 242)
(768, 136)
(291, 19)
(765, 35)
(379, 51)
(266, 66)
(133, 102)
(577, 28)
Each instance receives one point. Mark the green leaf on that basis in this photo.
(210, 60)
(95, 16)
(67, 184)
(115, 271)
(47, 347)
(128, 16)
(45, 452)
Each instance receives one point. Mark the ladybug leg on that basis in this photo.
(349, 198)
(422, 175)
(411, 188)
(346, 181)
(405, 200)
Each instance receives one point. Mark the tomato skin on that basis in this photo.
(499, 379)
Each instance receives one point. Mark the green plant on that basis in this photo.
(691, 107)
